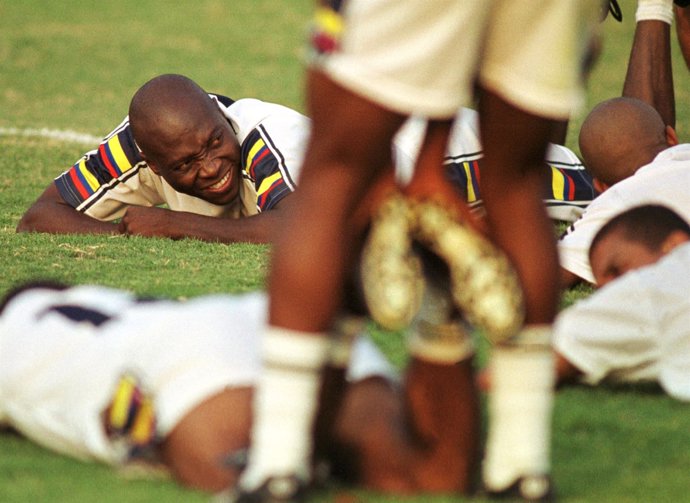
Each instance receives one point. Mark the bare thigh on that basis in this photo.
(419, 438)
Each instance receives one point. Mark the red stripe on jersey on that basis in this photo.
(106, 161)
(261, 202)
(475, 169)
(571, 185)
(78, 183)
(257, 159)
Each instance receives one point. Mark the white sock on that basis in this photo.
(654, 10)
(520, 408)
(284, 405)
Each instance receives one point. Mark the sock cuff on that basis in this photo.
(513, 368)
(282, 346)
(654, 10)
(531, 336)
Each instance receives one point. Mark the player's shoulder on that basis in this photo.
(254, 108)
(671, 163)
(251, 117)
(221, 100)
(673, 268)
(562, 155)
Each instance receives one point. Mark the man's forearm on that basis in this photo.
(62, 219)
(50, 213)
(650, 76)
(255, 229)
(683, 32)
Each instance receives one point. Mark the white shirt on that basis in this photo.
(666, 180)
(569, 192)
(112, 177)
(58, 374)
(634, 328)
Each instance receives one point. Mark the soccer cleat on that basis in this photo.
(531, 488)
(276, 489)
(391, 273)
(484, 284)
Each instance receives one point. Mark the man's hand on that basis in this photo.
(160, 222)
(149, 222)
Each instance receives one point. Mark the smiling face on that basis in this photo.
(185, 138)
(200, 157)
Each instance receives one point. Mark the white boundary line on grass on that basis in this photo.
(53, 134)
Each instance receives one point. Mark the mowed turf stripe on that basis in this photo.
(53, 134)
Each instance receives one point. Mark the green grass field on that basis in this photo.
(74, 64)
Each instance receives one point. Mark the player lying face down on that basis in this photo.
(635, 327)
(97, 374)
(183, 164)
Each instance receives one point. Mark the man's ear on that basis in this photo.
(674, 239)
(152, 165)
(671, 136)
(599, 186)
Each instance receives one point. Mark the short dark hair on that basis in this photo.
(648, 225)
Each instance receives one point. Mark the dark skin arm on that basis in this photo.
(50, 213)
(683, 32)
(566, 372)
(159, 222)
(424, 438)
(650, 75)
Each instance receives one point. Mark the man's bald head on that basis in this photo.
(619, 136)
(164, 109)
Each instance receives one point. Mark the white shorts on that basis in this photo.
(424, 57)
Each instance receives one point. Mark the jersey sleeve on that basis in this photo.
(272, 155)
(568, 193)
(611, 334)
(571, 188)
(573, 245)
(100, 183)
